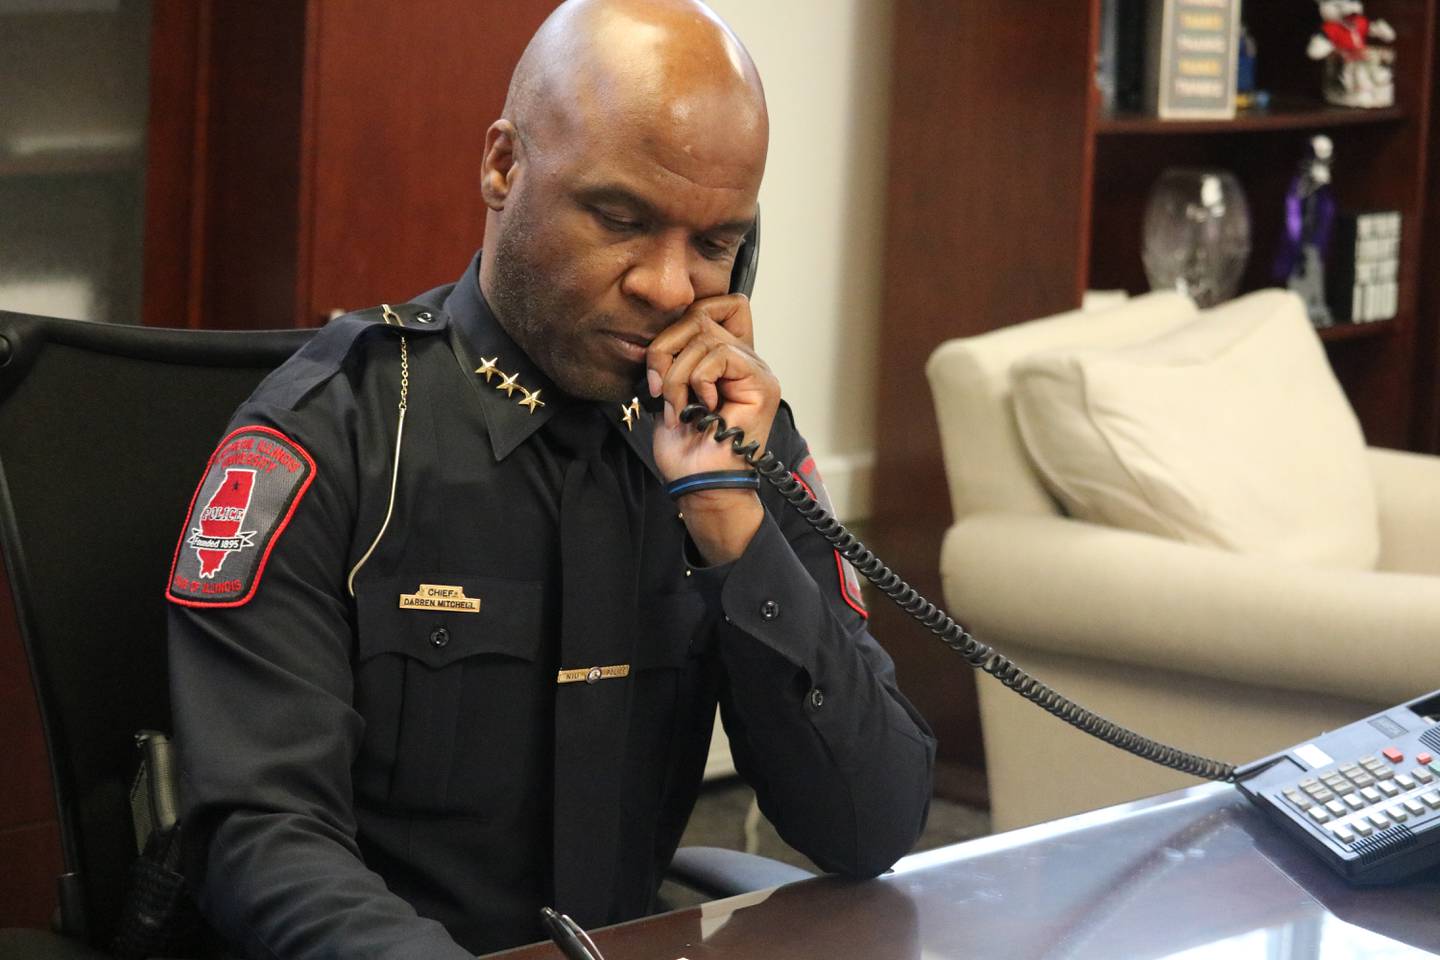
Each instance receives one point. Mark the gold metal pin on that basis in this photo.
(508, 384)
(439, 596)
(593, 674)
(531, 400)
(630, 412)
(487, 368)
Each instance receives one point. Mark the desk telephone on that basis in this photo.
(1365, 798)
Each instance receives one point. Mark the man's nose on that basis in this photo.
(662, 278)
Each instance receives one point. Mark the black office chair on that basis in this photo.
(103, 431)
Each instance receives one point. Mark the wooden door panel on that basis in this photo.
(398, 98)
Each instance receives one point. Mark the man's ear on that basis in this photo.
(500, 164)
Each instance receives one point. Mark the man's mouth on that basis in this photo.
(631, 346)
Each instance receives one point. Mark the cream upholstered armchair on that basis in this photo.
(1171, 517)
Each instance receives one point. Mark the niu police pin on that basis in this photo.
(252, 485)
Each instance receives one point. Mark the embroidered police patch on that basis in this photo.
(252, 485)
(808, 477)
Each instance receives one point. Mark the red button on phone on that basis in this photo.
(1423, 758)
(1392, 754)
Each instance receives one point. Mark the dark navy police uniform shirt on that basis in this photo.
(373, 776)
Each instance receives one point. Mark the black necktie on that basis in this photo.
(597, 636)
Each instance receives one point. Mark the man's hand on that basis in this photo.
(710, 351)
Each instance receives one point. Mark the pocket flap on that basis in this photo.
(434, 618)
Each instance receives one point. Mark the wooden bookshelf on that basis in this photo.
(1359, 331)
(1296, 114)
(1011, 193)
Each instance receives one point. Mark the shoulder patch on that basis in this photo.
(808, 476)
(251, 487)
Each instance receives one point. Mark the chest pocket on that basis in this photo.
(451, 697)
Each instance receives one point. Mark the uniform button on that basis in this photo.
(688, 571)
(769, 610)
(440, 636)
(817, 699)
(426, 317)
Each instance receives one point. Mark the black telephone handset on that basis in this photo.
(1374, 826)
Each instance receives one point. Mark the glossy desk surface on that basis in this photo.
(1194, 874)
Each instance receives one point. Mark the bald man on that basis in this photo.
(451, 615)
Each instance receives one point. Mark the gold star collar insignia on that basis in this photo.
(630, 412)
(531, 400)
(508, 384)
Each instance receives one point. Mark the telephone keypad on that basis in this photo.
(1348, 798)
(1383, 822)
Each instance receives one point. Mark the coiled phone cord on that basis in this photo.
(979, 655)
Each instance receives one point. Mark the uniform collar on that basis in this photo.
(509, 424)
(480, 339)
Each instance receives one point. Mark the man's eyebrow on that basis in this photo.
(609, 193)
(620, 196)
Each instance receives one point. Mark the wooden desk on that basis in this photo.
(1198, 870)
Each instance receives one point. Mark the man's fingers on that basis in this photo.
(729, 315)
(676, 383)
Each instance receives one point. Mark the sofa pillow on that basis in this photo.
(1229, 431)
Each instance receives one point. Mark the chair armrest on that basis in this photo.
(1407, 491)
(18, 944)
(715, 872)
(1087, 590)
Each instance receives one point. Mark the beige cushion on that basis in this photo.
(1229, 431)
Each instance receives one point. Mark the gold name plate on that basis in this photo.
(436, 596)
(593, 674)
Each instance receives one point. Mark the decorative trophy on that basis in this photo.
(1357, 73)
(1309, 218)
(1197, 234)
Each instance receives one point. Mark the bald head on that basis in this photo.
(622, 61)
(620, 183)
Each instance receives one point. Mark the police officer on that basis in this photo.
(451, 614)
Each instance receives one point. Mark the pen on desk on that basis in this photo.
(569, 936)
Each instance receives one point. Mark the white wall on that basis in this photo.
(825, 65)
